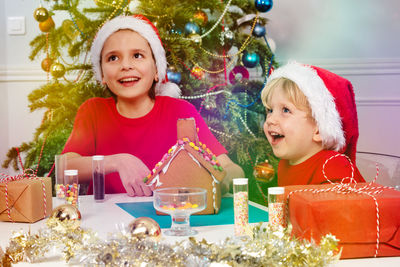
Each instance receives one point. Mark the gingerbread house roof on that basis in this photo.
(200, 155)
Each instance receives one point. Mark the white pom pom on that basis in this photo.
(168, 89)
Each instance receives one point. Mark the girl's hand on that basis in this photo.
(132, 171)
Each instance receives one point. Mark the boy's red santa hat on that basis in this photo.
(332, 102)
(148, 31)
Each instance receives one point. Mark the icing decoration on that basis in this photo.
(202, 149)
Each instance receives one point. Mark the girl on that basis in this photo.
(136, 127)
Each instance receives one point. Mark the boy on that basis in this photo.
(311, 120)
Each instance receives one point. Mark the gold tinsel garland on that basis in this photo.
(267, 246)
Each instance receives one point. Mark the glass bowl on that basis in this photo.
(180, 203)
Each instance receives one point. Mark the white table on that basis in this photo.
(103, 218)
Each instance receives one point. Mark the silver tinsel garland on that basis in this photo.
(265, 246)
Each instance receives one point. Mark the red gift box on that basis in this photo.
(364, 217)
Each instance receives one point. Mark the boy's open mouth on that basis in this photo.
(276, 136)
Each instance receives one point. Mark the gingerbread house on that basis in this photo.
(189, 163)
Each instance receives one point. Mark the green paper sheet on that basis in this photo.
(225, 216)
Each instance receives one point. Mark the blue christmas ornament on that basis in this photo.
(174, 77)
(250, 60)
(259, 30)
(191, 27)
(263, 5)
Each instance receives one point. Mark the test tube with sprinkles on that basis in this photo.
(276, 206)
(71, 187)
(241, 205)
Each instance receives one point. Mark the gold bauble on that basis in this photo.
(67, 213)
(264, 172)
(46, 63)
(196, 38)
(69, 29)
(57, 70)
(200, 17)
(172, 68)
(198, 72)
(47, 25)
(143, 227)
(41, 14)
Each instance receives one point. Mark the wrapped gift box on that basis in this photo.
(351, 217)
(26, 199)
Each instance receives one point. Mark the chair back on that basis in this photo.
(389, 168)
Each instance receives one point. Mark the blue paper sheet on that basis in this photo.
(225, 216)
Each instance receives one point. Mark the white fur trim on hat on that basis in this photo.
(321, 101)
(146, 31)
(168, 89)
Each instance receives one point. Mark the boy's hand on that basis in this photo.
(132, 171)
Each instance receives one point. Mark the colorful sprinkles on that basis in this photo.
(276, 212)
(60, 191)
(183, 206)
(241, 211)
(68, 192)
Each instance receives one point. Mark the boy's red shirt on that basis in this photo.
(310, 171)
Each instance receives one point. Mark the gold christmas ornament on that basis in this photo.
(198, 72)
(41, 14)
(46, 63)
(172, 68)
(143, 227)
(47, 25)
(196, 38)
(264, 172)
(57, 70)
(70, 29)
(200, 17)
(67, 213)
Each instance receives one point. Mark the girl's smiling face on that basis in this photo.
(292, 133)
(128, 67)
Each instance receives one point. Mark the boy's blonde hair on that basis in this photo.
(290, 89)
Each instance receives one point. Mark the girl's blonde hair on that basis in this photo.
(290, 89)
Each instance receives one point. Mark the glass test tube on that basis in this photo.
(71, 186)
(98, 175)
(241, 205)
(276, 206)
(60, 163)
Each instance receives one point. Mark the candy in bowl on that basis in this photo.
(180, 203)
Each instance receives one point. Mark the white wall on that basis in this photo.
(358, 39)
(3, 92)
(18, 77)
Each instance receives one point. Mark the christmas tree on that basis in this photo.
(217, 53)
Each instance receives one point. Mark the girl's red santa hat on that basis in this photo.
(332, 102)
(147, 30)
